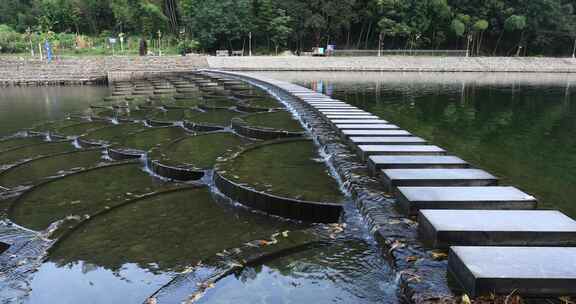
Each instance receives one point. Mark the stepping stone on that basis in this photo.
(347, 116)
(412, 199)
(352, 114)
(358, 121)
(441, 229)
(531, 271)
(365, 151)
(407, 140)
(372, 133)
(329, 103)
(379, 162)
(347, 110)
(436, 178)
(367, 127)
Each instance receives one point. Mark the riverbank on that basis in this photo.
(93, 70)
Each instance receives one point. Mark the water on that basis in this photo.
(518, 126)
(347, 272)
(22, 107)
(123, 235)
(288, 169)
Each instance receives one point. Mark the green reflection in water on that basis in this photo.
(95, 190)
(171, 115)
(46, 167)
(34, 151)
(289, 168)
(212, 117)
(82, 128)
(123, 256)
(13, 143)
(263, 102)
(22, 107)
(346, 272)
(113, 133)
(223, 102)
(52, 126)
(200, 151)
(522, 131)
(148, 139)
(280, 120)
(164, 233)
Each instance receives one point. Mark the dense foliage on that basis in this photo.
(485, 27)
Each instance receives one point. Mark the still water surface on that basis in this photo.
(20, 107)
(521, 127)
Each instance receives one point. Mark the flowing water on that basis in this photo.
(114, 233)
(520, 127)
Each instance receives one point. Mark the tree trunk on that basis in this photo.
(360, 36)
(368, 32)
(498, 43)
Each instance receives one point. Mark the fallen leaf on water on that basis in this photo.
(263, 243)
(566, 300)
(412, 258)
(397, 244)
(151, 301)
(466, 299)
(439, 255)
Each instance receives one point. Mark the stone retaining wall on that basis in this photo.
(92, 70)
(89, 70)
(396, 64)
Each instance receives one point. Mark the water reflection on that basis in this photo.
(518, 126)
(22, 107)
(346, 272)
(130, 252)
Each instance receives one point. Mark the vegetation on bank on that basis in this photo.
(488, 27)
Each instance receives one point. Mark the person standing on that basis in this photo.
(143, 47)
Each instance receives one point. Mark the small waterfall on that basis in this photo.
(76, 143)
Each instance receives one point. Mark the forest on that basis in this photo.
(484, 27)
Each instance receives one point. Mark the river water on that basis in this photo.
(520, 127)
(127, 254)
(20, 107)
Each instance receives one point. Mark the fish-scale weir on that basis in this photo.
(459, 207)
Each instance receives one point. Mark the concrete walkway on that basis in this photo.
(16, 70)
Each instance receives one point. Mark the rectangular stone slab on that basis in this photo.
(327, 103)
(351, 113)
(335, 108)
(372, 133)
(344, 112)
(412, 199)
(364, 151)
(379, 162)
(347, 116)
(533, 271)
(367, 127)
(386, 140)
(358, 121)
(436, 177)
(441, 229)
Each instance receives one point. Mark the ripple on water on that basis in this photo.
(346, 272)
(94, 191)
(288, 168)
(199, 151)
(128, 253)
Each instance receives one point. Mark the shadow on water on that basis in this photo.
(518, 126)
